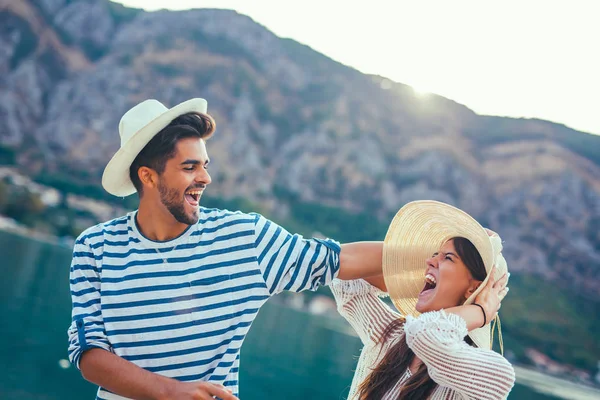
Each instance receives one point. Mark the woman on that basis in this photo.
(446, 275)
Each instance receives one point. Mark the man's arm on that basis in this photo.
(127, 379)
(291, 262)
(360, 260)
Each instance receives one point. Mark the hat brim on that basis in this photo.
(417, 231)
(115, 178)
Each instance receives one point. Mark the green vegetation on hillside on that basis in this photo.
(122, 14)
(552, 320)
(585, 144)
(493, 130)
(8, 155)
(80, 185)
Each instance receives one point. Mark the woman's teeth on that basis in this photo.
(429, 278)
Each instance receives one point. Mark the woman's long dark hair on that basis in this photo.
(398, 358)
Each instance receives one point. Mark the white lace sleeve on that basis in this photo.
(437, 338)
(359, 302)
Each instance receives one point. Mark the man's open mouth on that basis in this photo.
(193, 197)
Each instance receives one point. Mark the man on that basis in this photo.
(164, 296)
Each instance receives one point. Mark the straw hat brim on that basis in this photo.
(417, 231)
(115, 178)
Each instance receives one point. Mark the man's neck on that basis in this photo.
(157, 223)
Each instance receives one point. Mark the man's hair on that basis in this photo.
(161, 148)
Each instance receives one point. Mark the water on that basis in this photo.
(288, 354)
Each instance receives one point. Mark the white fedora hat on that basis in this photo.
(417, 231)
(137, 127)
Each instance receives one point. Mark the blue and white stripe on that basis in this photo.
(186, 318)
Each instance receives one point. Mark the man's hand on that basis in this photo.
(198, 391)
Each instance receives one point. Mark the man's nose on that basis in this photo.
(204, 177)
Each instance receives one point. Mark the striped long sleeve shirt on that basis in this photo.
(183, 307)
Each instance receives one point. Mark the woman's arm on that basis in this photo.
(378, 282)
(437, 339)
(359, 303)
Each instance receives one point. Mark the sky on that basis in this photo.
(525, 58)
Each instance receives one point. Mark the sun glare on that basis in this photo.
(420, 92)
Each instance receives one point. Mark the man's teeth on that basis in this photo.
(430, 279)
(197, 192)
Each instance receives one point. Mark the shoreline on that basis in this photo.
(554, 386)
(11, 226)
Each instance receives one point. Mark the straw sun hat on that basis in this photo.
(417, 231)
(137, 127)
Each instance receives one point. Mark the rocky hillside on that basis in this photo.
(294, 127)
(291, 118)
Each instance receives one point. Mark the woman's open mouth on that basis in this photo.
(193, 197)
(430, 284)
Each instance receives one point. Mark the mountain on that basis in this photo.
(303, 138)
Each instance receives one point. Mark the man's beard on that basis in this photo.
(173, 200)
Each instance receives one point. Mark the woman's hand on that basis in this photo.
(492, 295)
(489, 299)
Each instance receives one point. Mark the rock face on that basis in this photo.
(88, 24)
(289, 117)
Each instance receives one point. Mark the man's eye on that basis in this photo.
(448, 258)
(189, 168)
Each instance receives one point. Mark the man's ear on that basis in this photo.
(473, 285)
(148, 177)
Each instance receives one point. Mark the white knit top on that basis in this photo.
(437, 339)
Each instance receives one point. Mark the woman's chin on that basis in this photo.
(424, 300)
(421, 306)
(431, 304)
